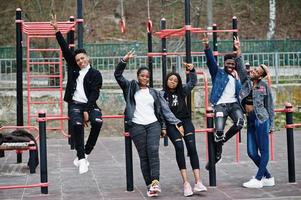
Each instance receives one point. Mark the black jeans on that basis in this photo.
(147, 139)
(189, 138)
(76, 116)
(221, 113)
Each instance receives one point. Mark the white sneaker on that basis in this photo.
(253, 183)
(83, 166)
(199, 187)
(75, 161)
(268, 182)
(187, 190)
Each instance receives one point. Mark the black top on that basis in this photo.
(249, 99)
(92, 80)
(177, 105)
(176, 100)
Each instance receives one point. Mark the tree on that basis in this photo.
(272, 19)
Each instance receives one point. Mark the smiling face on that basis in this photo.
(229, 65)
(143, 78)
(257, 73)
(82, 60)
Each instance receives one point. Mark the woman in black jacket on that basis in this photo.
(144, 112)
(175, 94)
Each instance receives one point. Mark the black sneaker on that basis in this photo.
(218, 154)
(217, 160)
(218, 138)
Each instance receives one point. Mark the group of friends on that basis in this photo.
(151, 114)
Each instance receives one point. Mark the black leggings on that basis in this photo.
(189, 138)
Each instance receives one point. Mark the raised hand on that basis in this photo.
(53, 22)
(205, 41)
(236, 44)
(129, 55)
(188, 66)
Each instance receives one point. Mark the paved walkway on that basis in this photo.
(106, 176)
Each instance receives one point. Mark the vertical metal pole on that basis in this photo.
(277, 66)
(214, 40)
(188, 47)
(150, 59)
(128, 160)
(80, 28)
(70, 35)
(70, 41)
(234, 27)
(43, 151)
(290, 144)
(164, 51)
(19, 54)
(211, 148)
(19, 78)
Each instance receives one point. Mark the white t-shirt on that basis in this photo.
(145, 112)
(228, 95)
(79, 93)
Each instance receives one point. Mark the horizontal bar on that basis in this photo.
(44, 102)
(113, 116)
(45, 76)
(29, 49)
(292, 125)
(43, 63)
(46, 89)
(5, 187)
(172, 53)
(19, 127)
(206, 130)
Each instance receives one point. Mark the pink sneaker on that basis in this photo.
(187, 190)
(199, 187)
(151, 194)
(155, 186)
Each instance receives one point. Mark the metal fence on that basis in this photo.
(112, 49)
(285, 67)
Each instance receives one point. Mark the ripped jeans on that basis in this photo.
(75, 112)
(189, 138)
(221, 113)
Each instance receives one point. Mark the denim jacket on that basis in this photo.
(262, 96)
(129, 89)
(219, 79)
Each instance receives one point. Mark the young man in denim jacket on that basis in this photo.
(224, 98)
(256, 99)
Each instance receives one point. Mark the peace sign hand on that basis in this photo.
(205, 41)
(129, 55)
(53, 23)
(236, 44)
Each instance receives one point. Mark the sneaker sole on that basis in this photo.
(152, 195)
(252, 187)
(268, 185)
(202, 190)
(188, 195)
(156, 190)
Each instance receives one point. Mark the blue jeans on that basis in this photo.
(76, 117)
(258, 141)
(147, 139)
